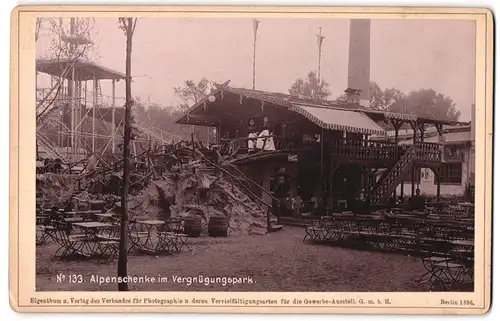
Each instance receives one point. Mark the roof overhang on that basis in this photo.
(339, 120)
(84, 70)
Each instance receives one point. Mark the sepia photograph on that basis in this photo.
(257, 154)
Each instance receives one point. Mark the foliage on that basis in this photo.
(423, 102)
(310, 87)
(428, 103)
(60, 32)
(192, 91)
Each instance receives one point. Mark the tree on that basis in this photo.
(310, 87)
(423, 102)
(387, 99)
(128, 27)
(79, 30)
(192, 91)
(428, 103)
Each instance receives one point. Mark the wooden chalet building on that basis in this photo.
(327, 148)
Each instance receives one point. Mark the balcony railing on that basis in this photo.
(364, 149)
(429, 152)
(352, 149)
(255, 145)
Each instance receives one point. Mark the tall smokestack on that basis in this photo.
(359, 59)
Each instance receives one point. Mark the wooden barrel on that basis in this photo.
(97, 205)
(192, 226)
(218, 226)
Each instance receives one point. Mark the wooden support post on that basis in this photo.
(422, 131)
(414, 127)
(330, 185)
(397, 125)
(439, 128)
(402, 189)
(412, 180)
(366, 193)
(438, 180)
(113, 117)
(322, 142)
(217, 133)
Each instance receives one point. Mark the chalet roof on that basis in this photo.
(84, 70)
(291, 101)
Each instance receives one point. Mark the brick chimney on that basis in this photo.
(359, 60)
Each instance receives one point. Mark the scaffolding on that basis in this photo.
(74, 118)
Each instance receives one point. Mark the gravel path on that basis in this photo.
(274, 262)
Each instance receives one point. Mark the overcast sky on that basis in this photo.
(406, 54)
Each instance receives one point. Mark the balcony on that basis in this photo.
(257, 147)
(340, 150)
(429, 153)
(364, 150)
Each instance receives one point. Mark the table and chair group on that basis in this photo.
(94, 234)
(444, 242)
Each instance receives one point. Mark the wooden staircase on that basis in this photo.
(49, 148)
(246, 185)
(393, 177)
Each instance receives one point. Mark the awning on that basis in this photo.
(84, 70)
(342, 120)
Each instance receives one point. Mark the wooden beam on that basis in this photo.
(436, 172)
(439, 128)
(402, 189)
(396, 124)
(201, 118)
(413, 125)
(366, 190)
(412, 180)
(421, 128)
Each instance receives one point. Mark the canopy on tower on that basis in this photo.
(84, 70)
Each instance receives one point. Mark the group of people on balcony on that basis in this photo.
(260, 138)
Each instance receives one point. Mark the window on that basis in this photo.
(453, 153)
(418, 175)
(450, 173)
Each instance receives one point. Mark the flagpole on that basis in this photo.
(320, 44)
(255, 27)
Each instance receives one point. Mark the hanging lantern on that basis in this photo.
(211, 98)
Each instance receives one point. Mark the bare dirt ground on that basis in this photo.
(276, 262)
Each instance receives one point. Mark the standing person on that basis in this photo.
(265, 141)
(281, 191)
(417, 202)
(253, 132)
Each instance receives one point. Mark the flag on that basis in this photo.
(255, 27)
